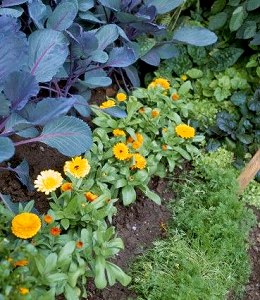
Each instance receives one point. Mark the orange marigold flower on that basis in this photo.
(21, 263)
(90, 196)
(67, 186)
(48, 219)
(79, 244)
(121, 97)
(130, 139)
(184, 77)
(23, 291)
(175, 96)
(121, 151)
(164, 147)
(139, 161)
(55, 231)
(107, 104)
(77, 167)
(25, 225)
(155, 113)
(118, 132)
(185, 131)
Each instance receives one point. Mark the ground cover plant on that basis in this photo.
(204, 255)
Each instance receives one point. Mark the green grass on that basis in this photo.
(205, 254)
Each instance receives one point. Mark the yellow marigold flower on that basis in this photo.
(175, 96)
(118, 132)
(90, 196)
(121, 97)
(139, 161)
(67, 186)
(25, 225)
(21, 263)
(107, 104)
(185, 131)
(23, 291)
(48, 219)
(163, 83)
(77, 167)
(137, 142)
(164, 147)
(152, 85)
(155, 113)
(48, 181)
(121, 151)
(184, 77)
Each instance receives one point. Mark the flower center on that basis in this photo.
(76, 167)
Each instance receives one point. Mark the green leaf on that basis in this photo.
(100, 277)
(50, 263)
(182, 152)
(53, 278)
(252, 4)
(237, 18)
(65, 252)
(6, 148)
(185, 88)
(65, 223)
(48, 51)
(194, 73)
(153, 196)
(115, 273)
(217, 21)
(245, 138)
(247, 30)
(238, 98)
(217, 6)
(120, 183)
(128, 194)
(62, 17)
(71, 293)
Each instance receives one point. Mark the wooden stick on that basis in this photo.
(249, 172)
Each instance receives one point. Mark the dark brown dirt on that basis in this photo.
(253, 286)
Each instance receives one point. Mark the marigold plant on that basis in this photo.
(118, 132)
(185, 131)
(121, 97)
(67, 186)
(107, 104)
(139, 161)
(121, 151)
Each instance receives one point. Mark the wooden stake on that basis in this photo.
(249, 172)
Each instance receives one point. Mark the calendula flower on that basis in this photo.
(118, 132)
(90, 196)
(48, 219)
(152, 85)
(79, 244)
(67, 186)
(155, 113)
(185, 131)
(141, 110)
(175, 97)
(21, 263)
(107, 104)
(164, 147)
(25, 225)
(121, 97)
(121, 151)
(48, 181)
(164, 83)
(139, 161)
(184, 77)
(23, 291)
(55, 231)
(77, 167)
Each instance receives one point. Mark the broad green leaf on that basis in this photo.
(218, 21)
(50, 263)
(53, 278)
(164, 6)
(66, 251)
(6, 148)
(62, 17)
(71, 293)
(192, 35)
(237, 18)
(252, 4)
(48, 51)
(65, 223)
(185, 88)
(100, 277)
(194, 73)
(115, 273)
(128, 194)
(69, 135)
(152, 195)
(217, 6)
(182, 152)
